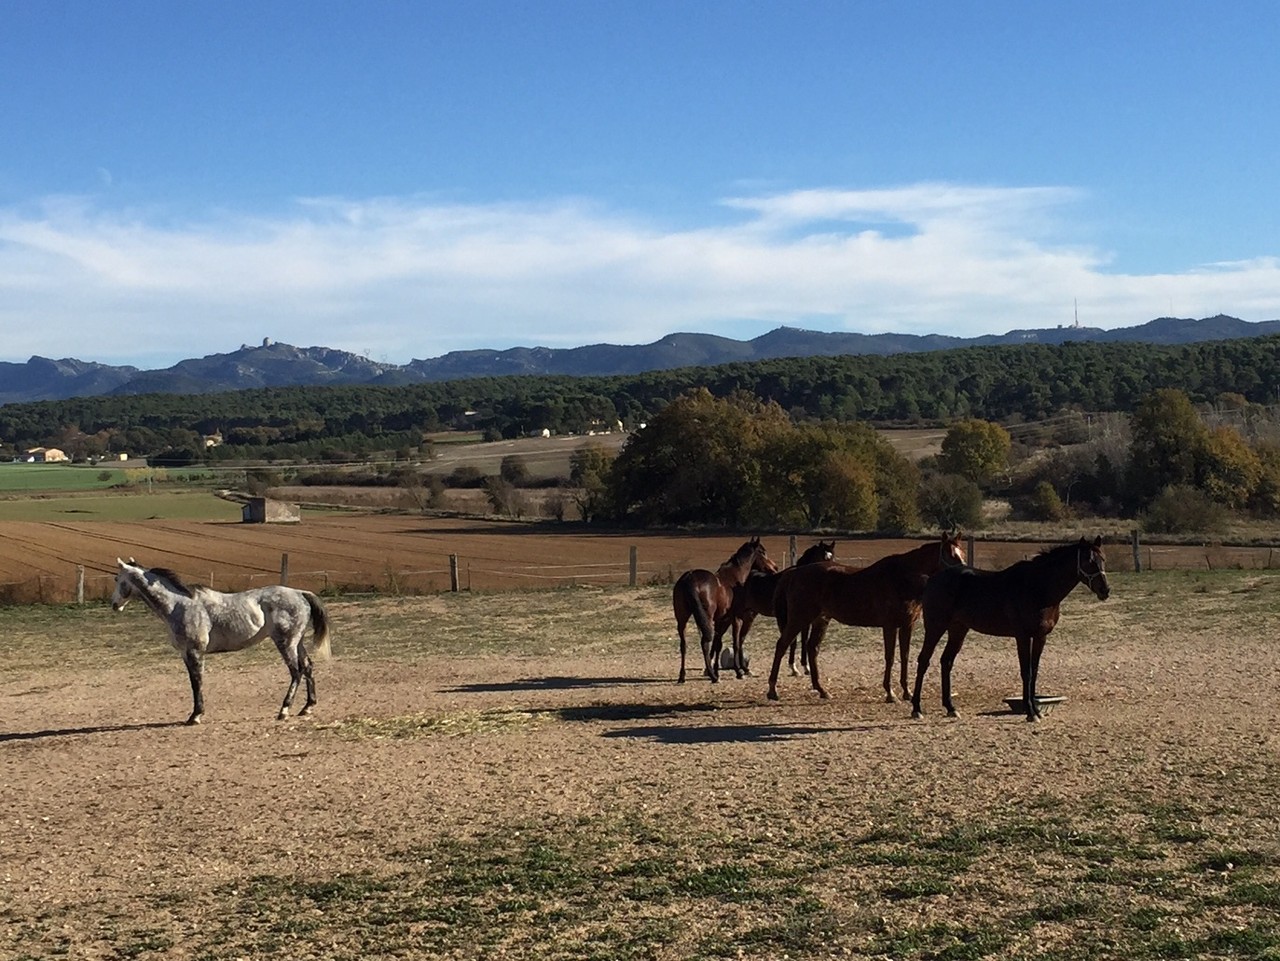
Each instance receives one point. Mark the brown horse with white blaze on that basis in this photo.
(1022, 601)
(885, 594)
(707, 597)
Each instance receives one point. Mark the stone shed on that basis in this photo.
(264, 510)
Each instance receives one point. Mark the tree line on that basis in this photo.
(742, 462)
(1006, 384)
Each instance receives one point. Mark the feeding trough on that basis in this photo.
(1046, 703)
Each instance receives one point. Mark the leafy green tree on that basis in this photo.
(846, 485)
(696, 462)
(589, 468)
(1168, 441)
(1230, 470)
(1266, 495)
(898, 484)
(1182, 509)
(975, 449)
(950, 502)
(514, 470)
(1044, 504)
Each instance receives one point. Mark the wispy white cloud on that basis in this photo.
(414, 277)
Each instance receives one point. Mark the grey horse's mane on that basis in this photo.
(174, 580)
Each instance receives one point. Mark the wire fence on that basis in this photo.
(78, 585)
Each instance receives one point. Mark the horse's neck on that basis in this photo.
(1059, 578)
(736, 571)
(927, 560)
(158, 596)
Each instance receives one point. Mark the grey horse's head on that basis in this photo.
(124, 588)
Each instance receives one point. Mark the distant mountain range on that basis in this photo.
(282, 365)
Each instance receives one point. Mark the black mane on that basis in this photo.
(174, 580)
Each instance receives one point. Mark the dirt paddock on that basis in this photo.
(517, 775)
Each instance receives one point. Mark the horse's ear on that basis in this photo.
(1097, 542)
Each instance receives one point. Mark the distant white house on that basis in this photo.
(44, 455)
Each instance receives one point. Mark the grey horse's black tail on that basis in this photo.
(320, 626)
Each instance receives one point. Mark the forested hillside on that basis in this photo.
(994, 383)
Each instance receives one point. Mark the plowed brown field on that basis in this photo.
(410, 554)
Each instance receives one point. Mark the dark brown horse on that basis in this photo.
(885, 595)
(1020, 601)
(708, 598)
(756, 597)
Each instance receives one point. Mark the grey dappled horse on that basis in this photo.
(204, 621)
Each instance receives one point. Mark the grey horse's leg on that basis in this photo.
(311, 681)
(289, 654)
(195, 671)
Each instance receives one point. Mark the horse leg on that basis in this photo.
(888, 665)
(741, 628)
(904, 650)
(1024, 671)
(955, 640)
(1029, 688)
(680, 626)
(289, 654)
(817, 631)
(712, 642)
(930, 641)
(194, 660)
(787, 637)
(305, 663)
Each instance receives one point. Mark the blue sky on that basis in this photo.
(402, 179)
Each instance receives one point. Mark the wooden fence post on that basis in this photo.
(1137, 553)
(631, 578)
(453, 573)
(791, 551)
(968, 553)
(79, 583)
(284, 568)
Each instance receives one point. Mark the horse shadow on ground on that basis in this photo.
(732, 733)
(625, 712)
(547, 684)
(95, 729)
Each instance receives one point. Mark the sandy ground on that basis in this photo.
(107, 798)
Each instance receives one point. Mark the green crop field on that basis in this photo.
(192, 505)
(31, 478)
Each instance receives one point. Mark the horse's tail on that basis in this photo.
(700, 615)
(319, 626)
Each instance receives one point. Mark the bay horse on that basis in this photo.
(755, 597)
(204, 621)
(1022, 601)
(885, 594)
(707, 597)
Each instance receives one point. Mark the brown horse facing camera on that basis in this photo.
(885, 594)
(707, 597)
(1022, 601)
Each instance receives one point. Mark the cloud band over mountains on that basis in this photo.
(414, 277)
